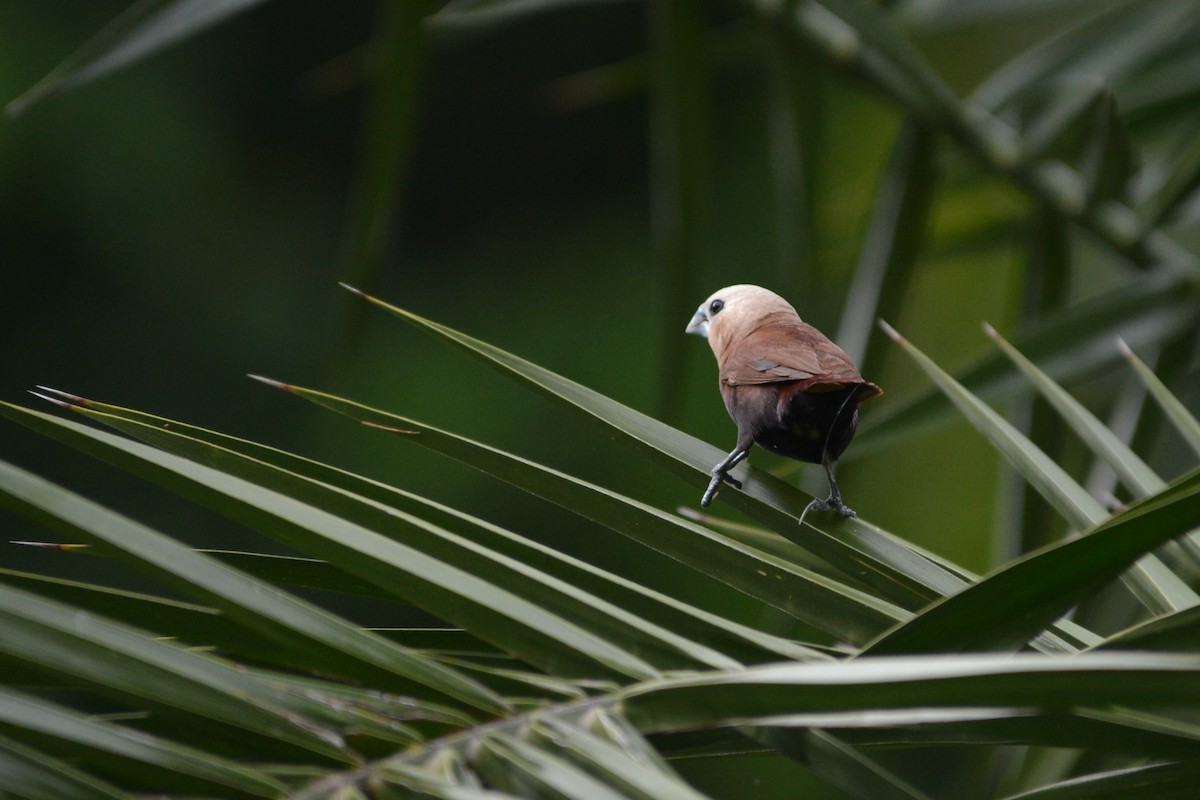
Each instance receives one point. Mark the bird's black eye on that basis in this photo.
(715, 306)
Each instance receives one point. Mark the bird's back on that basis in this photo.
(788, 350)
(815, 385)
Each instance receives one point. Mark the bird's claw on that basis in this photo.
(714, 486)
(841, 508)
(828, 504)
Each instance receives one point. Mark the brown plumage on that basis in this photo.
(787, 387)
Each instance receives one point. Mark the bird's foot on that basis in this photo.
(714, 486)
(828, 504)
(836, 504)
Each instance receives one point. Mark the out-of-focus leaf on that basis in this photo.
(1151, 579)
(1177, 412)
(855, 37)
(794, 126)
(1067, 121)
(1166, 88)
(398, 54)
(1006, 608)
(1180, 181)
(1134, 472)
(1066, 345)
(1050, 479)
(880, 44)
(1099, 46)
(944, 14)
(1108, 157)
(891, 245)
(1080, 126)
(1156, 586)
(1046, 291)
(143, 28)
(680, 166)
(488, 14)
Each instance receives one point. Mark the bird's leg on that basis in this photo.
(834, 502)
(721, 473)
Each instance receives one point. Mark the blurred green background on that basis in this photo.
(171, 227)
(180, 223)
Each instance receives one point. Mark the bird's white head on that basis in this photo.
(736, 311)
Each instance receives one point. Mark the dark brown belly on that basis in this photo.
(810, 423)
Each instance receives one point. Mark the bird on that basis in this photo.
(786, 386)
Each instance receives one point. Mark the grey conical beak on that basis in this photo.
(698, 325)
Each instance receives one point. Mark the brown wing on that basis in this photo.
(788, 351)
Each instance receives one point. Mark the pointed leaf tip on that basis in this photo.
(890, 331)
(350, 288)
(56, 401)
(74, 398)
(50, 545)
(287, 387)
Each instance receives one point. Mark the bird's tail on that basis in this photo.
(853, 394)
